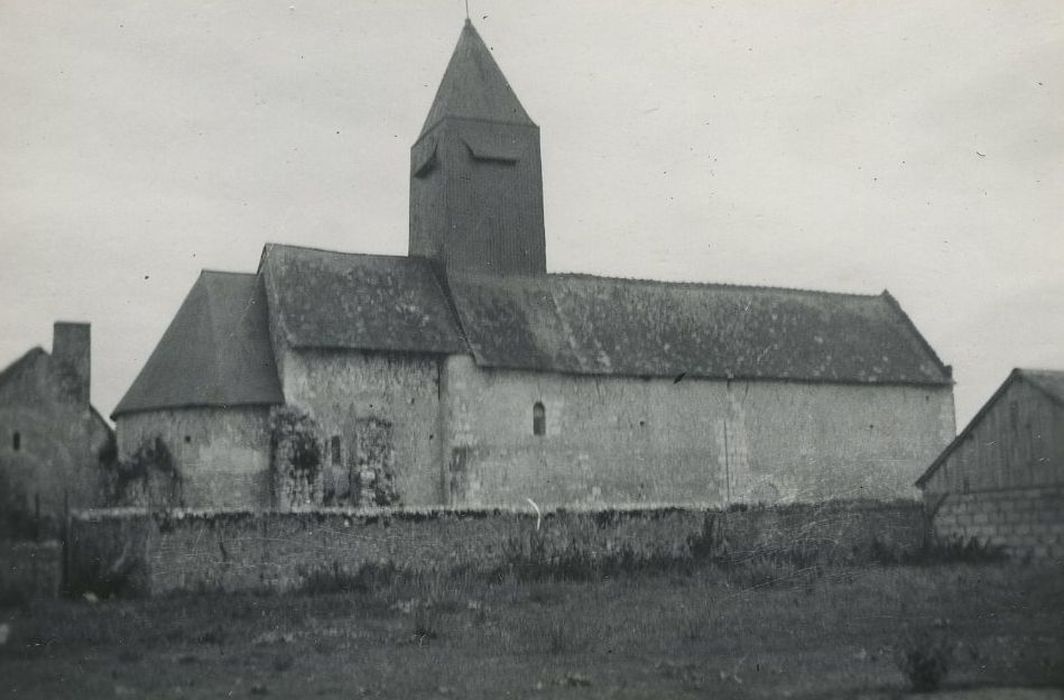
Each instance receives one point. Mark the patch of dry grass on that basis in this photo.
(648, 635)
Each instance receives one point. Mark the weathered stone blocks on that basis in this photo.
(244, 550)
(1028, 522)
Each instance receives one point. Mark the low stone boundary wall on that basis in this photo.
(152, 553)
(29, 569)
(1026, 522)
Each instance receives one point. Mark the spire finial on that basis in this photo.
(467, 10)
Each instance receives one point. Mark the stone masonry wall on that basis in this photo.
(50, 446)
(221, 454)
(349, 392)
(617, 440)
(1026, 522)
(243, 550)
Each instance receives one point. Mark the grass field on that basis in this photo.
(706, 633)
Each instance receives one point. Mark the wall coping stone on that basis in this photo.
(102, 514)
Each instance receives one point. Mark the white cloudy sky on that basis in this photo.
(852, 146)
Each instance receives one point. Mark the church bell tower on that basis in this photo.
(476, 182)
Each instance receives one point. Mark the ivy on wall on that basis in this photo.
(296, 455)
(375, 464)
(148, 477)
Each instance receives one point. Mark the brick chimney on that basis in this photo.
(71, 353)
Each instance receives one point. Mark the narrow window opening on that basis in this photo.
(539, 419)
(16, 441)
(334, 447)
(188, 439)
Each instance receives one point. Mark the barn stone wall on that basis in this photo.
(241, 550)
(614, 440)
(222, 454)
(384, 410)
(1026, 522)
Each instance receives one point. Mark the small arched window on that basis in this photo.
(539, 419)
(335, 449)
(16, 441)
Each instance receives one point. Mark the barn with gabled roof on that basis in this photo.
(1001, 481)
(465, 374)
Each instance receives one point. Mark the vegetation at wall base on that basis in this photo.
(939, 551)
(924, 657)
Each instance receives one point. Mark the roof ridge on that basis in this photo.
(18, 362)
(714, 285)
(314, 249)
(1035, 370)
(211, 271)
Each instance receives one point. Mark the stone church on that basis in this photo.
(466, 375)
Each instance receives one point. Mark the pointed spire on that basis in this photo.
(473, 86)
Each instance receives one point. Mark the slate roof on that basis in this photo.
(597, 325)
(216, 351)
(474, 87)
(324, 299)
(1049, 382)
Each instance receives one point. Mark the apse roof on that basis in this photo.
(216, 351)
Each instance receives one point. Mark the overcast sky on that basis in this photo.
(847, 146)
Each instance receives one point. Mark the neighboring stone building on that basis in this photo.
(52, 441)
(1002, 479)
(467, 375)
